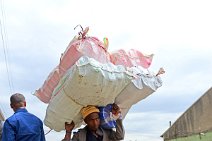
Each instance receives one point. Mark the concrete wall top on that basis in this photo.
(197, 119)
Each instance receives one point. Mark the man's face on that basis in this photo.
(93, 121)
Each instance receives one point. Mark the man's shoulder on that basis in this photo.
(84, 130)
(23, 115)
(11, 121)
(34, 117)
(79, 134)
(11, 118)
(81, 130)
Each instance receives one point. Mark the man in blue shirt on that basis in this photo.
(22, 125)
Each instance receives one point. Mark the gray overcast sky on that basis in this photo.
(179, 33)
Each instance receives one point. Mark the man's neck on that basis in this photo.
(19, 108)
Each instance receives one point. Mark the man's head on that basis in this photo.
(17, 101)
(90, 115)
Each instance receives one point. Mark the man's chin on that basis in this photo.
(94, 129)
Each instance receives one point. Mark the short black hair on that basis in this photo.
(17, 98)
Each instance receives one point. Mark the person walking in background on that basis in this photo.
(22, 125)
(93, 131)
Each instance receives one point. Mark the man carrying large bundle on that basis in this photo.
(90, 75)
(93, 131)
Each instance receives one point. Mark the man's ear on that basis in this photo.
(11, 106)
(86, 120)
(24, 103)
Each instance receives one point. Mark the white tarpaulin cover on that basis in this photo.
(88, 82)
(141, 87)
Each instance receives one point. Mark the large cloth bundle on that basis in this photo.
(89, 75)
(88, 82)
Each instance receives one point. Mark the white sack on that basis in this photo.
(92, 83)
(88, 82)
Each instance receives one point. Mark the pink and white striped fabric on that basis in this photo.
(131, 58)
(90, 46)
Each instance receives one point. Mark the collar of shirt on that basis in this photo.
(98, 131)
(21, 110)
(91, 137)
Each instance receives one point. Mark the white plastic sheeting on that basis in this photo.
(88, 82)
(141, 87)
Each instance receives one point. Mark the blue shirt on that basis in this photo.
(23, 126)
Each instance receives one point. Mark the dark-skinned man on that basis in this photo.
(93, 131)
(22, 125)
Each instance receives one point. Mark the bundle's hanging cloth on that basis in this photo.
(142, 86)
